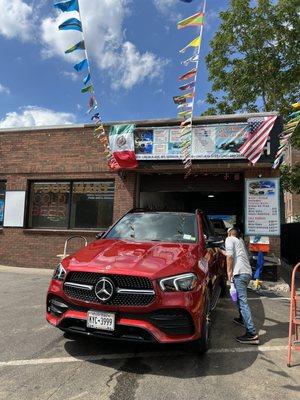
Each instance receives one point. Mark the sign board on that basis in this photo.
(14, 209)
(259, 243)
(218, 141)
(262, 209)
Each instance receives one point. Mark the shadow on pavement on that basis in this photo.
(182, 360)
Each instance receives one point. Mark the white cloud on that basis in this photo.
(4, 89)
(106, 44)
(164, 6)
(16, 19)
(70, 74)
(36, 116)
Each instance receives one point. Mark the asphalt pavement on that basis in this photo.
(38, 362)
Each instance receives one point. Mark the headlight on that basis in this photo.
(179, 283)
(59, 273)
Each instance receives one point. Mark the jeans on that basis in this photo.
(241, 282)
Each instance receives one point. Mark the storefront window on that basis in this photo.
(49, 205)
(92, 204)
(2, 199)
(71, 205)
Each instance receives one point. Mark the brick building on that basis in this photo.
(68, 188)
(292, 201)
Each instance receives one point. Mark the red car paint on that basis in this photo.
(152, 260)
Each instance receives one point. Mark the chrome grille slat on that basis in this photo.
(130, 290)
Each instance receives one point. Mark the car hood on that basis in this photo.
(150, 259)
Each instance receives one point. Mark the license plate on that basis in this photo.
(101, 320)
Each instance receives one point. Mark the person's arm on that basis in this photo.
(229, 260)
(229, 257)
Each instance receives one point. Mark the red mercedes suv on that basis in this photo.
(153, 276)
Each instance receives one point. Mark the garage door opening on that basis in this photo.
(219, 195)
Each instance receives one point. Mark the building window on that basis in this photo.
(2, 201)
(71, 205)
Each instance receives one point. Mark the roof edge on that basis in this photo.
(149, 122)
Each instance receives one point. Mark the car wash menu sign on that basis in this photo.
(262, 210)
(220, 141)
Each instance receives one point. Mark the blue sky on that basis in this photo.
(133, 48)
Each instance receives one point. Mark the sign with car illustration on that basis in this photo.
(216, 141)
(262, 211)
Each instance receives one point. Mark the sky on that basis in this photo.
(133, 47)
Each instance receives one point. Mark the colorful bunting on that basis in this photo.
(194, 20)
(69, 5)
(187, 86)
(87, 78)
(193, 59)
(290, 130)
(78, 46)
(87, 89)
(71, 24)
(187, 108)
(194, 43)
(82, 65)
(188, 74)
(76, 24)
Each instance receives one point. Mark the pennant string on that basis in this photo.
(185, 108)
(76, 24)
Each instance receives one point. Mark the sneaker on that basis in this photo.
(248, 339)
(239, 321)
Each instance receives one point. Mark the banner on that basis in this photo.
(219, 141)
(262, 208)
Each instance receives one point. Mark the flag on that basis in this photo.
(179, 99)
(186, 113)
(121, 143)
(71, 24)
(189, 85)
(188, 74)
(187, 121)
(189, 60)
(87, 78)
(78, 46)
(87, 89)
(194, 43)
(185, 105)
(96, 117)
(278, 160)
(81, 65)
(69, 5)
(255, 143)
(194, 20)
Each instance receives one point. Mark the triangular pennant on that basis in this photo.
(194, 43)
(71, 24)
(188, 74)
(193, 20)
(78, 46)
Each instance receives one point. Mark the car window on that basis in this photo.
(156, 226)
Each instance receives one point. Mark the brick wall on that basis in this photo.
(55, 154)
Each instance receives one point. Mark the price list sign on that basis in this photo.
(262, 209)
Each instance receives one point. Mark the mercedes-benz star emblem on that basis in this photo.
(104, 289)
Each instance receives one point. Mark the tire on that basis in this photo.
(202, 344)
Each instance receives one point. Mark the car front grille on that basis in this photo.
(127, 282)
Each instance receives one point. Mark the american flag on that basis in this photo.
(255, 143)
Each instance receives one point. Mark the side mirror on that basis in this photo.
(212, 242)
(100, 234)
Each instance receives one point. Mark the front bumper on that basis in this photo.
(171, 318)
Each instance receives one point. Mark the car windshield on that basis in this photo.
(156, 226)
